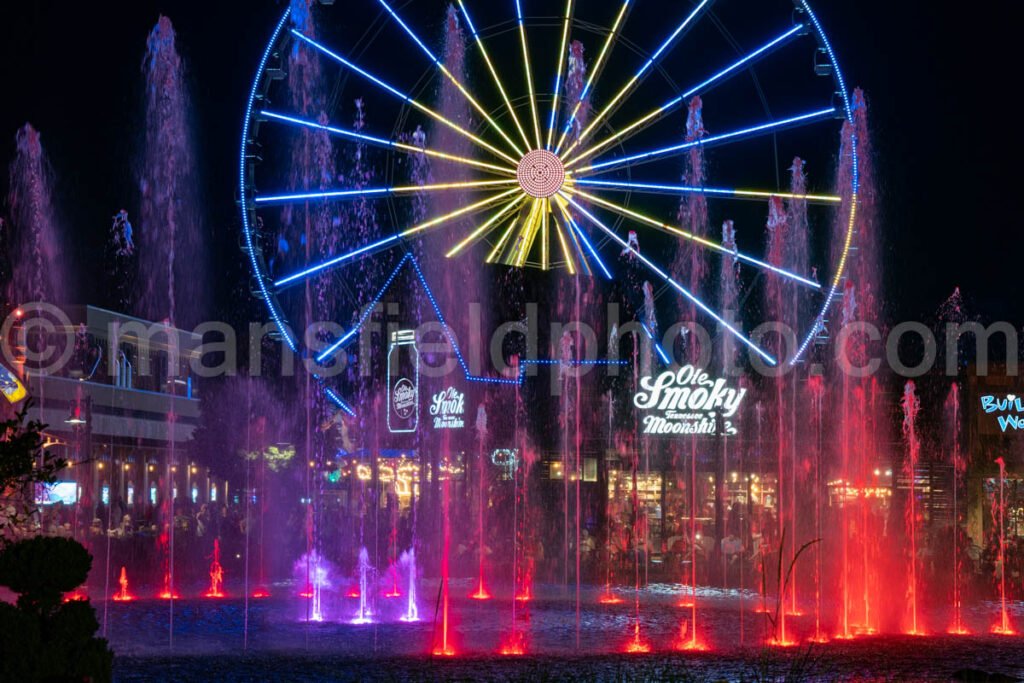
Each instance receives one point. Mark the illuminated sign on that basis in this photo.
(687, 402)
(1008, 411)
(403, 383)
(448, 407)
(12, 389)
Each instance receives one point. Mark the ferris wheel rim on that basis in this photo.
(265, 286)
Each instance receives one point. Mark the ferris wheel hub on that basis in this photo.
(541, 174)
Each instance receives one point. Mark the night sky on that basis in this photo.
(937, 76)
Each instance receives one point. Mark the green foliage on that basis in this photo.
(23, 459)
(43, 638)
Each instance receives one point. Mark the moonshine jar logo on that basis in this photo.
(687, 402)
(403, 382)
(1008, 411)
(403, 398)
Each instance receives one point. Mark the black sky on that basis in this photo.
(941, 81)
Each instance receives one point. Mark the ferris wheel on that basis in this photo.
(566, 154)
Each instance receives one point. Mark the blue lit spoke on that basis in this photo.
(697, 239)
(733, 193)
(331, 350)
(381, 142)
(567, 20)
(338, 260)
(448, 74)
(583, 237)
(336, 400)
(701, 88)
(639, 76)
(595, 70)
(733, 136)
(657, 346)
(405, 98)
(381, 191)
(664, 276)
(494, 73)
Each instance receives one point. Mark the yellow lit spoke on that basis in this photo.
(440, 220)
(640, 76)
(527, 235)
(418, 105)
(476, 184)
(494, 74)
(488, 225)
(503, 170)
(462, 131)
(545, 254)
(597, 147)
(496, 251)
(704, 242)
(596, 69)
(529, 74)
(479, 108)
(553, 123)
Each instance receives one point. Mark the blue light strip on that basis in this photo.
(623, 211)
(337, 260)
(330, 129)
(665, 108)
(589, 245)
(657, 347)
(637, 77)
(444, 70)
(704, 142)
(690, 189)
(739, 63)
(409, 258)
(333, 194)
(682, 290)
(344, 62)
(336, 400)
(412, 34)
(586, 87)
(671, 39)
(246, 227)
(347, 337)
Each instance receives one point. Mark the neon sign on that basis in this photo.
(403, 383)
(687, 402)
(448, 408)
(1011, 407)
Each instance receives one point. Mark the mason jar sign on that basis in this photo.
(403, 383)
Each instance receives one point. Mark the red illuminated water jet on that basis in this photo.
(167, 593)
(216, 589)
(260, 593)
(637, 645)
(445, 648)
(513, 645)
(609, 598)
(1003, 627)
(123, 595)
(75, 596)
(911, 405)
(688, 642)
